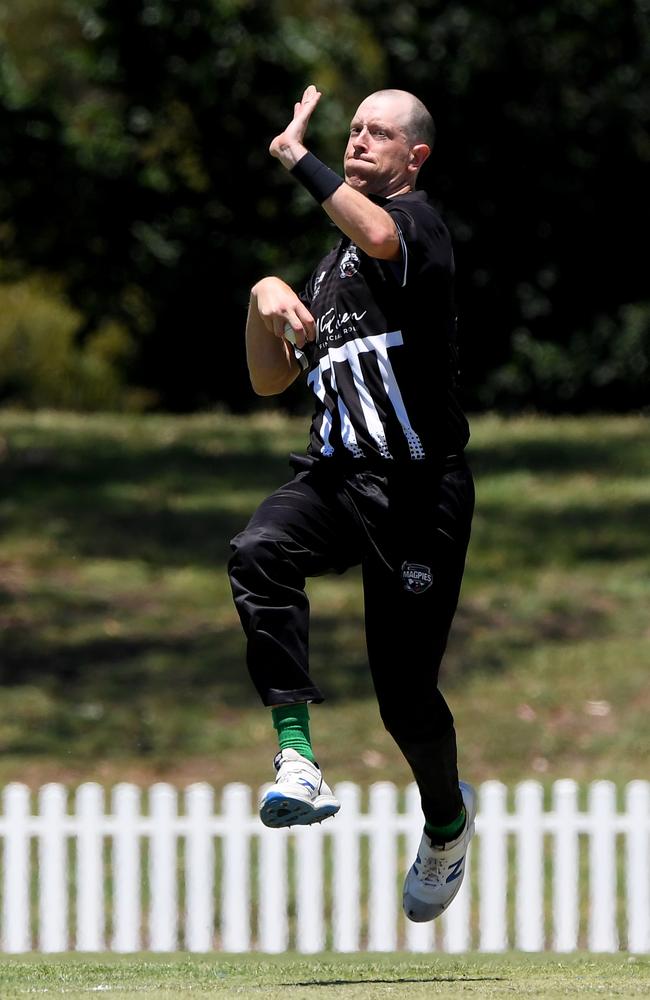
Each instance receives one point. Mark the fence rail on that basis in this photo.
(164, 872)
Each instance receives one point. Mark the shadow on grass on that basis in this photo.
(169, 507)
(204, 664)
(604, 452)
(178, 505)
(577, 534)
(396, 982)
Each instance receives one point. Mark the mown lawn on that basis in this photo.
(344, 977)
(121, 656)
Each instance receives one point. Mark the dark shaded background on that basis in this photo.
(137, 187)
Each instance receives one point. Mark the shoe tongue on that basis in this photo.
(282, 755)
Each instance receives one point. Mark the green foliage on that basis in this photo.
(150, 190)
(43, 365)
(607, 367)
(542, 116)
(133, 153)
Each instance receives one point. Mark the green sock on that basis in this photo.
(443, 834)
(292, 724)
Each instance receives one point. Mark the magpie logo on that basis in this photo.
(350, 262)
(416, 578)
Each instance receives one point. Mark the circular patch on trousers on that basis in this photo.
(416, 578)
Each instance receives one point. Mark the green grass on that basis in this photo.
(121, 655)
(326, 975)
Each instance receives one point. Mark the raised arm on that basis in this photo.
(364, 222)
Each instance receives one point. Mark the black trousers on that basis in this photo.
(409, 530)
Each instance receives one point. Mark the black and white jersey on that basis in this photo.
(383, 365)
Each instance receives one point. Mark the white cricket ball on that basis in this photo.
(289, 334)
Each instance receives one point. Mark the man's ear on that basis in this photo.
(419, 154)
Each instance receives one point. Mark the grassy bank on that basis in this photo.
(121, 655)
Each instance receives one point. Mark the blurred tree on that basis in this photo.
(43, 365)
(133, 151)
(542, 171)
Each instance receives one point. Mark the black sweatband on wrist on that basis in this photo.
(320, 181)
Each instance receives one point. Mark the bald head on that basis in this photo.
(416, 120)
(391, 134)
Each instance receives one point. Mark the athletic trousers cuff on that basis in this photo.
(294, 697)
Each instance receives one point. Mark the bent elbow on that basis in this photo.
(270, 384)
(383, 243)
(264, 388)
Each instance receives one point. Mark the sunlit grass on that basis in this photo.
(121, 652)
(349, 977)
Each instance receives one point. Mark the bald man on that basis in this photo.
(384, 483)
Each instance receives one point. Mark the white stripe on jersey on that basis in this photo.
(349, 352)
(348, 434)
(381, 344)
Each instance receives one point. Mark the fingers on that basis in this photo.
(298, 326)
(310, 98)
(279, 307)
(307, 320)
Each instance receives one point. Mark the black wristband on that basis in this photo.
(320, 181)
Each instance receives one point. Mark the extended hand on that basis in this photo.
(288, 146)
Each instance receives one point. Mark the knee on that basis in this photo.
(420, 720)
(249, 550)
(255, 552)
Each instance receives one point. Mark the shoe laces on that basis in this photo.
(433, 870)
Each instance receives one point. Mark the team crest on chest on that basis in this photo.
(350, 262)
(416, 578)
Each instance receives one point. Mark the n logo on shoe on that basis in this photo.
(456, 870)
(416, 578)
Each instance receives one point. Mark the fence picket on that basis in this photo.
(127, 932)
(565, 869)
(16, 870)
(602, 868)
(89, 803)
(346, 861)
(273, 891)
(382, 903)
(199, 869)
(53, 870)
(529, 913)
(310, 930)
(162, 868)
(638, 867)
(185, 872)
(235, 925)
(493, 867)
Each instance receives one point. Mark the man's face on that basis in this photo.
(378, 153)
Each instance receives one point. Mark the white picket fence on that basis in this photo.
(146, 875)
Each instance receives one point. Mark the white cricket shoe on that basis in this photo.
(437, 873)
(299, 796)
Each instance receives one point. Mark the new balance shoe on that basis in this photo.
(437, 873)
(299, 796)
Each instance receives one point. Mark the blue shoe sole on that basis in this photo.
(277, 811)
